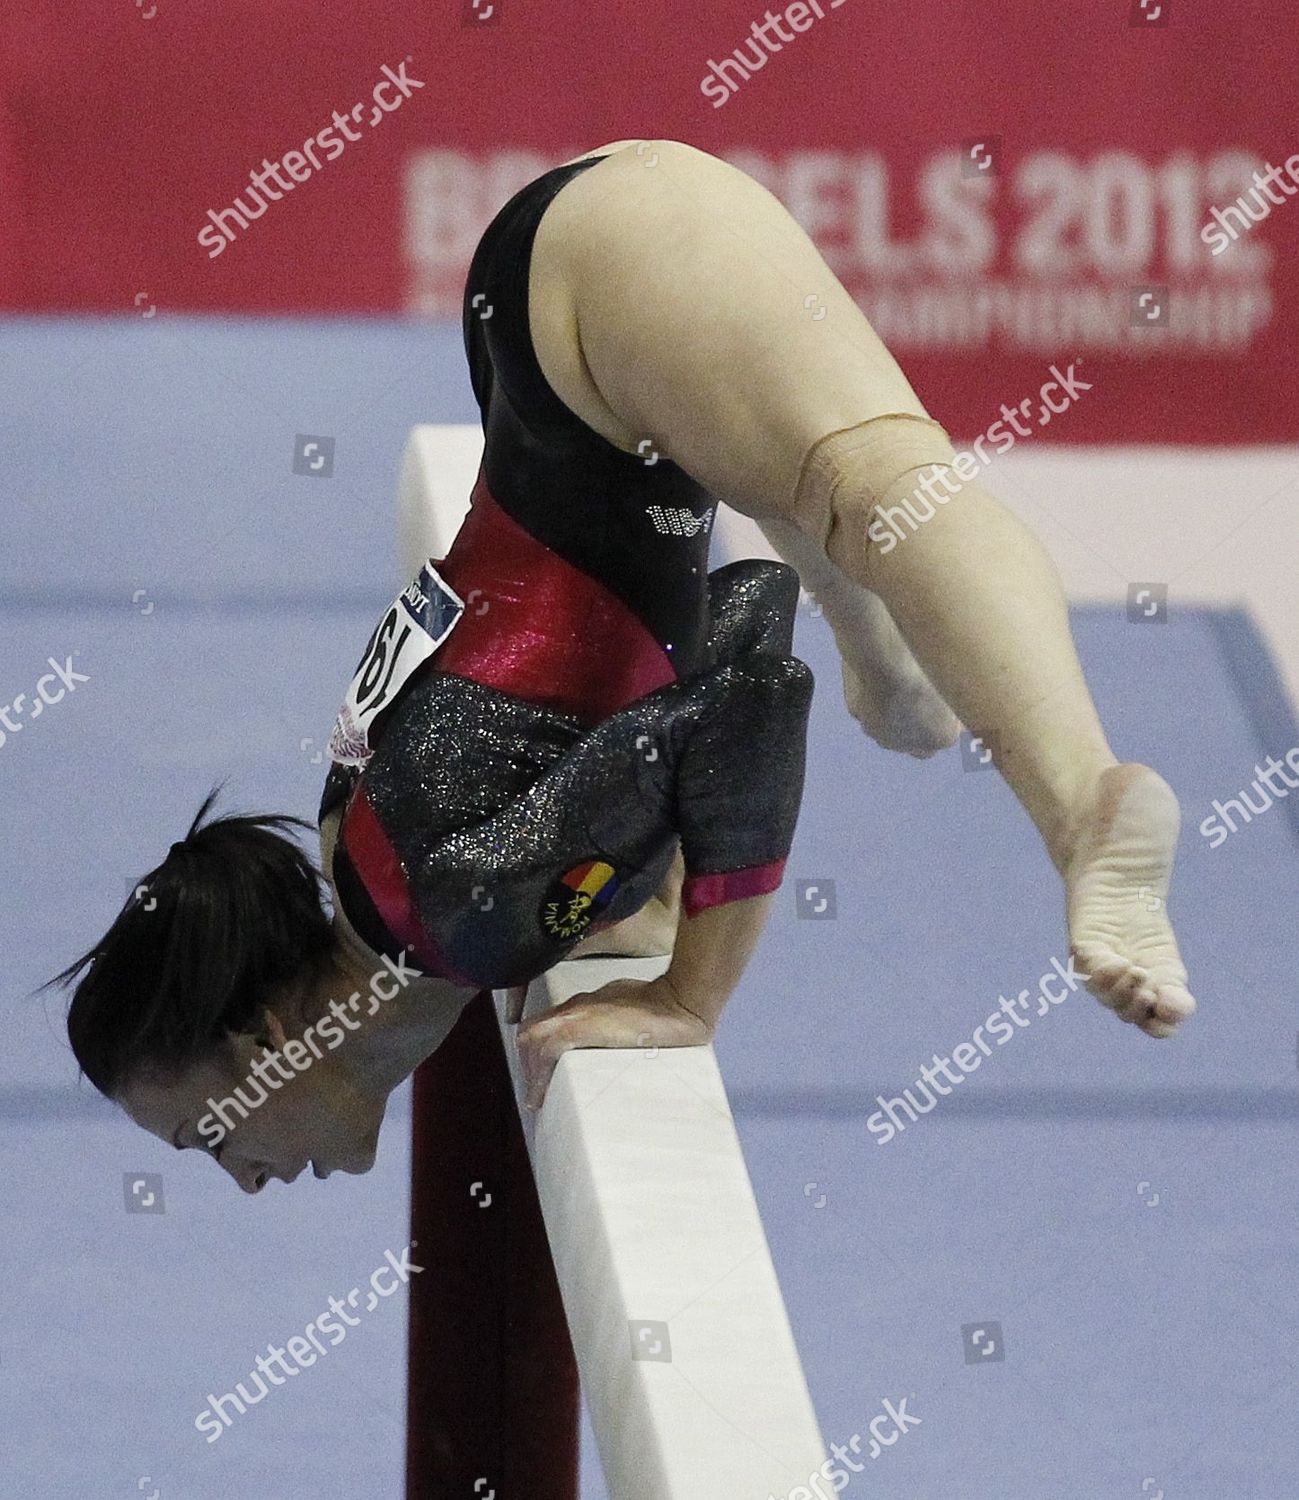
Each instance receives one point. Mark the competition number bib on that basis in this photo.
(412, 629)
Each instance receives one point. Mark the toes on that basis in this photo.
(1158, 1010)
(1173, 1002)
(924, 752)
(1158, 1028)
(906, 716)
(1112, 980)
(1128, 990)
(1137, 1011)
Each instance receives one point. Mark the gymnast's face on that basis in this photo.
(281, 1120)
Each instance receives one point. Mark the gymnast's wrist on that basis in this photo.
(688, 991)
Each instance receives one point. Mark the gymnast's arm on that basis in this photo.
(737, 784)
(648, 933)
(678, 1009)
(712, 951)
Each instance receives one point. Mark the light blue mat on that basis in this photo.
(1122, 1209)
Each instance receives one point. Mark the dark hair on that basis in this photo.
(233, 912)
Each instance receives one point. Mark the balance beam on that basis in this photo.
(686, 1357)
(684, 1348)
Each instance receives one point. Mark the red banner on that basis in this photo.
(1105, 186)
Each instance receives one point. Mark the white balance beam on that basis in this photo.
(687, 1361)
(438, 470)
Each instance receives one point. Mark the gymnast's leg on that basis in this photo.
(980, 604)
(884, 688)
(694, 289)
(753, 606)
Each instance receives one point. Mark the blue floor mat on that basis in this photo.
(1122, 1210)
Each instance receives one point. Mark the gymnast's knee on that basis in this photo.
(852, 482)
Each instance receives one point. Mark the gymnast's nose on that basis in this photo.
(251, 1176)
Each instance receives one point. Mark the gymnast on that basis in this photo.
(567, 737)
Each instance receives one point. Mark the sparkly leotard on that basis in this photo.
(599, 698)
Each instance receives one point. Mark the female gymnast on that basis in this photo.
(568, 737)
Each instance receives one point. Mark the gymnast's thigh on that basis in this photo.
(711, 321)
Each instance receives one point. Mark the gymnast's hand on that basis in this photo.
(623, 1013)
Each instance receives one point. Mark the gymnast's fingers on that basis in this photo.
(541, 1044)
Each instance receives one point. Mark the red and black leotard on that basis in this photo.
(600, 697)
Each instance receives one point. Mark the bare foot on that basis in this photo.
(904, 714)
(884, 687)
(1116, 878)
